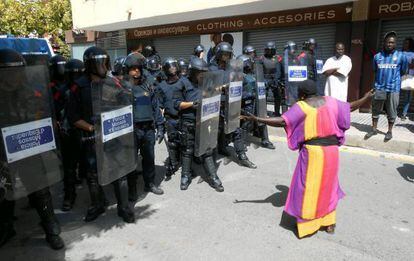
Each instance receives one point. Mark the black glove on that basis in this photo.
(160, 134)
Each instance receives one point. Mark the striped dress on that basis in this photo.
(314, 191)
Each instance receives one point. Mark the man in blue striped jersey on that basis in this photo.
(389, 65)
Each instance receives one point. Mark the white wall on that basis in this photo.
(112, 15)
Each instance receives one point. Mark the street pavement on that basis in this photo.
(245, 222)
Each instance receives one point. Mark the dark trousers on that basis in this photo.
(71, 149)
(173, 143)
(145, 143)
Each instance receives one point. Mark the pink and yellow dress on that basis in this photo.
(314, 192)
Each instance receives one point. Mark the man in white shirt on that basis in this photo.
(337, 69)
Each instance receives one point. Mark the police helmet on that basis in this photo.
(270, 48)
(248, 49)
(96, 61)
(11, 58)
(182, 66)
(153, 63)
(133, 60)
(118, 64)
(57, 67)
(198, 64)
(223, 48)
(291, 46)
(170, 66)
(148, 51)
(198, 49)
(74, 68)
(247, 62)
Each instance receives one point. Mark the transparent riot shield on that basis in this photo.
(29, 157)
(296, 71)
(114, 138)
(208, 113)
(261, 106)
(233, 95)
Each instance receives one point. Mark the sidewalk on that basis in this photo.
(403, 134)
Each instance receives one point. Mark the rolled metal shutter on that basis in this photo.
(324, 35)
(177, 47)
(404, 29)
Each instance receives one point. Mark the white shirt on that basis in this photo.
(337, 86)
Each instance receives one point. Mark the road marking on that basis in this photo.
(361, 151)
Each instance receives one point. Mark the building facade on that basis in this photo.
(175, 27)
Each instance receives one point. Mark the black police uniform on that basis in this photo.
(166, 92)
(147, 118)
(191, 93)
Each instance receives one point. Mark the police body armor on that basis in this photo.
(166, 96)
(269, 71)
(233, 80)
(29, 157)
(142, 103)
(208, 113)
(114, 137)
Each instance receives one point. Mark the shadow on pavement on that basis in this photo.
(408, 126)
(277, 199)
(407, 172)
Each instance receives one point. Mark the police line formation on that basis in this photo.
(103, 125)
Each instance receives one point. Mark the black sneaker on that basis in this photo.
(370, 134)
(388, 136)
(154, 189)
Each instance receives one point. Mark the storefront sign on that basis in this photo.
(314, 15)
(391, 8)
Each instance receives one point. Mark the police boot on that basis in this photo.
(68, 200)
(265, 138)
(173, 159)
(49, 222)
(244, 161)
(121, 193)
(132, 186)
(97, 199)
(6, 221)
(214, 180)
(186, 172)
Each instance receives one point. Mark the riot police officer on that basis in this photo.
(166, 89)
(13, 84)
(291, 59)
(147, 119)
(182, 67)
(273, 74)
(186, 101)
(74, 69)
(198, 52)
(81, 116)
(307, 56)
(153, 72)
(117, 70)
(149, 51)
(224, 52)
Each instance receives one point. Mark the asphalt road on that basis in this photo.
(375, 219)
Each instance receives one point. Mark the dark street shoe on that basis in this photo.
(403, 118)
(244, 161)
(127, 215)
(93, 213)
(330, 229)
(154, 189)
(55, 242)
(215, 183)
(388, 136)
(268, 145)
(68, 202)
(370, 134)
(185, 182)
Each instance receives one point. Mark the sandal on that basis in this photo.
(330, 229)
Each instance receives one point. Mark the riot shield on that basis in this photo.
(114, 138)
(296, 71)
(30, 160)
(233, 95)
(261, 106)
(208, 113)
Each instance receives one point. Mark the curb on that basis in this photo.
(375, 143)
